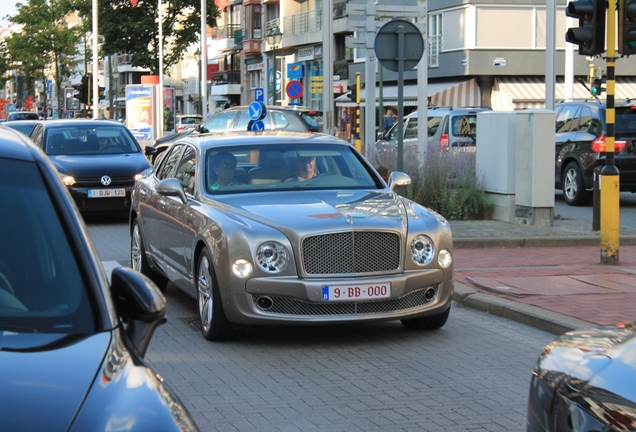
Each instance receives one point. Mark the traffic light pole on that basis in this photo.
(609, 179)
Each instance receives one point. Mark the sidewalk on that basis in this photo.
(549, 278)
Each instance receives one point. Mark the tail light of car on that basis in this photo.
(181, 128)
(443, 142)
(599, 145)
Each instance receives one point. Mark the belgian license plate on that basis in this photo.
(370, 291)
(106, 193)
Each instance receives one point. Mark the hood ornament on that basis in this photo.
(349, 220)
(105, 180)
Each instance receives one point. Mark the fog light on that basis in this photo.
(444, 259)
(242, 268)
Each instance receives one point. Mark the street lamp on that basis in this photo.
(197, 56)
(274, 35)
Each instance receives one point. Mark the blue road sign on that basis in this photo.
(258, 125)
(256, 110)
(259, 94)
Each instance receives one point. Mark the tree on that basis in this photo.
(45, 41)
(133, 30)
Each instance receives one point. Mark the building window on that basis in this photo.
(253, 21)
(435, 34)
(254, 79)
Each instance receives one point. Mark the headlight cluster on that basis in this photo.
(272, 257)
(423, 252)
(67, 180)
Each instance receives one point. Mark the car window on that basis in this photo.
(243, 121)
(168, 163)
(464, 126)
(313, 119)
(433, 125)
(220, 122)
(625, 120)
(23, 116)
(279, 120)
(566, 117)
(411, 128)
(185, 170)
(190, 120)
(585, 120)
(277, 167)
(89, 140)
(42, 289)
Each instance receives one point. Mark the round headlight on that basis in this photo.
(272, 257)
(67, 180)
(444, 259)
(242, 268)
(422, 250)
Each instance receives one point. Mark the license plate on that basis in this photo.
(106, 193)
(369, 291)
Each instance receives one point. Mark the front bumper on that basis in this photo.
(100, 205)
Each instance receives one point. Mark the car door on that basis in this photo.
(152, 206)
(174, 227)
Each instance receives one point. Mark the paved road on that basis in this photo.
(472, 375)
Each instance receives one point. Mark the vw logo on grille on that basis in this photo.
(105, 180)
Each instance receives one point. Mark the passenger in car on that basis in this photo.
(305, 167)
(223, 168)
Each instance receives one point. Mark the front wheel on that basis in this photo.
(214, 324)
(432, 322)
(574, 192)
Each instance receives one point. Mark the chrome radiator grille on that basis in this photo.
(351, 252)
(288, 306)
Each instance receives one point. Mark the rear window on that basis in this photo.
(190, 120)
(464, 125)
(313, 119)
(625, 120)
(23, 116)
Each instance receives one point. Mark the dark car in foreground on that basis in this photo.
(276, 227)
(98, 160)
(289, 118)
(581, 144)
(71, 342)
(585, 381)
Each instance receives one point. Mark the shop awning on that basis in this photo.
(447, 93)
(513, 93)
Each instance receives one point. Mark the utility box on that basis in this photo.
(515, 162)
(496, 160)
(535, 167)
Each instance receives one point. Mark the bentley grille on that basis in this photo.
(289, 306)
(351, 252)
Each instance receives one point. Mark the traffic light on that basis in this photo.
(353, 95)
(100, 94)
(86, 83)
(79, 92)
(597, 87)
(590, 34)
(627, 27)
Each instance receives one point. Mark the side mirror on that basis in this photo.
(399, 179)
(171, 187)
(139, 304)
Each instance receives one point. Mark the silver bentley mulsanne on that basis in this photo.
(289, 228)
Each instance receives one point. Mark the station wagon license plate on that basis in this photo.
(106, 193)
(356, 292)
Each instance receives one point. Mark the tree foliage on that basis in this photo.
(133, 30)
(44, 41)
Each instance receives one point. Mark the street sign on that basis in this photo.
(387, 45)
(259, 94)
(257, 126)
(256, 110)
(294, 89)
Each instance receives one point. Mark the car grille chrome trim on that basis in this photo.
(351, 253)
(289, 306)
(128, 181)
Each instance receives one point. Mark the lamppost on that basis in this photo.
(197, 56)
(274, 35)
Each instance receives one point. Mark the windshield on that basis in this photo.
(41, 285)
(304, 166)
(89, 140)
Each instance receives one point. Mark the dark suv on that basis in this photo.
(290, 118)
(580, 147)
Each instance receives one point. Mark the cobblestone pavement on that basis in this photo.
(551, 278)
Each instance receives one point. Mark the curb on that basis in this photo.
(501, 242)
(529, 315)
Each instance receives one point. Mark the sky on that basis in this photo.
(7, 7)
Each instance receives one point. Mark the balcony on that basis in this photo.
(226, 83)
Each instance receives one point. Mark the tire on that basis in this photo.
(214, 324)
(574, 192)
(139, 260)
(432, 322)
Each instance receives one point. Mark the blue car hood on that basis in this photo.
(114, 165)
(44, 378)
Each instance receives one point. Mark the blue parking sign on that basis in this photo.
(259, 95)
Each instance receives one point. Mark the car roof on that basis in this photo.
(277, 107)
(214, 139)
(451, 110)
(80, 122)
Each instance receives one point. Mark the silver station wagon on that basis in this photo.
(289, 228)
